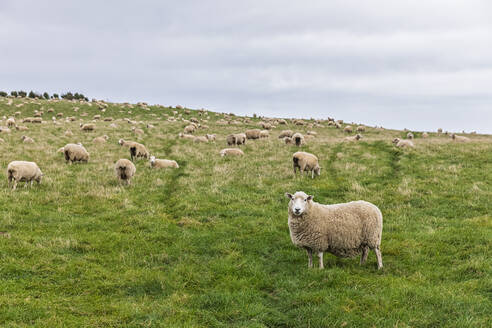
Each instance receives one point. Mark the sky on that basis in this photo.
(420, 65)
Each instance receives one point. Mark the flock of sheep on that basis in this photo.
(344, 230)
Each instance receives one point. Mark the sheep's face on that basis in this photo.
(317, 170)
(299, 203)
(396, 140)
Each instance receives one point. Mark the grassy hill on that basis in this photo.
(208, 244)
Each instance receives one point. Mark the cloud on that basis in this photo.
(419, 65)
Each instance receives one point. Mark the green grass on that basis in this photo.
(208, 244)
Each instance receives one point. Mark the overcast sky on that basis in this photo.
(414, 64)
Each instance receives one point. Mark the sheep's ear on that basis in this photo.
(309, 198)
(289, 195)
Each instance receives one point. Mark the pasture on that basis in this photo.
(207, 245)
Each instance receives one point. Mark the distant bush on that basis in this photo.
(14, 93)
(46, 95)
(22, 94)
(77, 96)
(3, 94)
(55, 95)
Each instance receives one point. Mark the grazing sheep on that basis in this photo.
(162, 163)
(425, 135)
(124, 170)
(264, 134)
(285, 133)
(136, 149)
(4, 129)
(403, 143)
(459, 138)
(298, 139)
(357, 137)
(18, 171)
(361, 128)
(348, 129)
(211, 137)
(68, 133)
(189, 129)
(409, 135)
(253, 134)
(200, 139)
(306, 162)
(108, 119)
(344, 230)
(75, 153)
(87, 127)
(10, 122)
(288, 140)
(102, 139)
(236, 139)
(137, 131)
(231, 152)
(26, 139)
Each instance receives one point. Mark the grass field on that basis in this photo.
(207, 245)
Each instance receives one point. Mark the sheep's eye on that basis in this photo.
(305, 200)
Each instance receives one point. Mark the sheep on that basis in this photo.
(285, 133)
(102, 139)
(1, 140)
(75, 153)
(137, 131)
(348, 129)
(10, 122)
(136, 149)
(288, 140)
(312, 133)
(21, 128)
(200, 139)
(357, 137)
(87, 127)
(403, 143)
(425, 135)
(189, 129)
(298, 139)
(306, 162)
(459, 138)
(361, 128)
(68, 133)
(108, 119)
(26, 139)
(253, 134)
(124, 170)
(211, 137)
(236, 139)
(162, 163)
(4, 129)
(231, 152)
(23, 171)
(439, 131)
(264, 134)
(344, 230)
(186, 136)
(409, 135)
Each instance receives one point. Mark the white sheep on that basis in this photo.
(459, 138)
(231, 152)
(162, 163)
(101, 139)
(75, 153)
(285, 133)
(264, 134)
(357, 137)
(136, 149)
(124, 170)
(403, 143)
(344, 230)
(306, 162)
(298, 139)
(409, 135)
(348, 129)
(18, 171)
(26, 139)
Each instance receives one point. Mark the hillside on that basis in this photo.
(208, 244)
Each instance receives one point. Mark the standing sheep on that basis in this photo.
(87, 127)
(344, 230)
(264, 134)
(136, 149)
(298, 139)
(124, 170)
(75, 153)
(285, 133)
(23, 171)
(306, 162)
(403, 143)
(348, 129)
(253, 134)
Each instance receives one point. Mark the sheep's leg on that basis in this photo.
(310, 257)
(363, 257)
(15, 185)
(380, 258)
(320, 256)
(312, 174)
(32, 182)
(294, 169)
